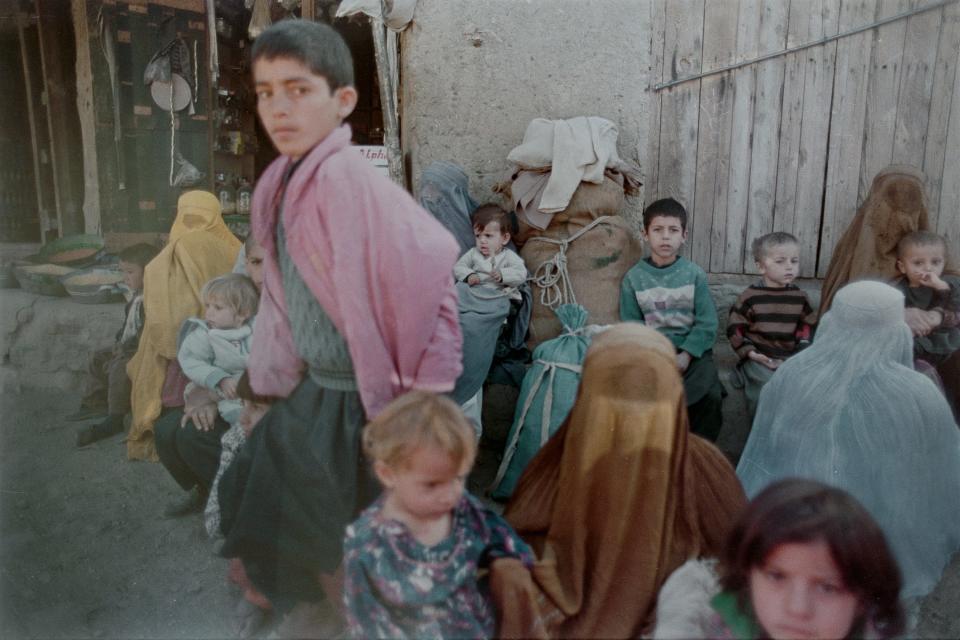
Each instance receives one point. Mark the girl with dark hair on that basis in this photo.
(804, 560)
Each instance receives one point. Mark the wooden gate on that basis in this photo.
(791, 143)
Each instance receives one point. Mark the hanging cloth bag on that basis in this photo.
(546, 396)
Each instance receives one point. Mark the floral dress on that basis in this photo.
(395, 587)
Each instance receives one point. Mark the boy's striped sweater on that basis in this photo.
(775, 321)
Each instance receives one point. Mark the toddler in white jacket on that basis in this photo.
(213, 350)
(490, 263)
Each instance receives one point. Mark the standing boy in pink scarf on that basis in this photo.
(358, 306)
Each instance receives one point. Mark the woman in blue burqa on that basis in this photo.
(851, 411)
(444, 192)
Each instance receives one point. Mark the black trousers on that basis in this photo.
(190, 455)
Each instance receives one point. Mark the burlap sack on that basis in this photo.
(589, 201)
(596, 264)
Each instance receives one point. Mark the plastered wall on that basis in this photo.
(475, 72)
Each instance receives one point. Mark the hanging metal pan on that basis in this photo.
(178, 86)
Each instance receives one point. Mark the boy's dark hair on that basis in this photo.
(920, 239)
(316, 45)
(667, 207)
(139, 254)
(490, 212)
(763, 244)
(800, 511)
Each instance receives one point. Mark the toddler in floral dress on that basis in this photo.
(412, 559)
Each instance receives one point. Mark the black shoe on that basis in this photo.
(86, 413)
(109, 427)
(193, 502)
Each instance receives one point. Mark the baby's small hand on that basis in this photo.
(496, 275)
(934, 281)
(683, 361)
(473, 279)
(228, 387)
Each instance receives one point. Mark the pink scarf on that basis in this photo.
(378, 264)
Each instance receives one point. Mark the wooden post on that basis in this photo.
(391, 127)
(32, 118)
(88, 123)
(308, 10)
(54, 156)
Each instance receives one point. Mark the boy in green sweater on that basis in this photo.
(669, 293)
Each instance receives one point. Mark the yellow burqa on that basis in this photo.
(200, 247)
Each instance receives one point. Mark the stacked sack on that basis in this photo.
(578, 253)
(546, 397)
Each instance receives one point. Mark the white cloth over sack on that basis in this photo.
(398, 16)
(575, 150)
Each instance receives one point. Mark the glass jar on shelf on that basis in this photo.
(244, 197)
(226, 193)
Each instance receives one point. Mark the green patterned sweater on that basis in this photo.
(674, 300)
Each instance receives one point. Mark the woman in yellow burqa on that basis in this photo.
(200, 247)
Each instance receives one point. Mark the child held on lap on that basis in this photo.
(213, 351)
(921, 257)
(411, 560)
(109, 383)
(669, 293)
(491, 264)
(771, 320)
(253, 407)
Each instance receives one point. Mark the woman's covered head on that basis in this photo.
(868, 304)
(632, 362)
(810, 561)
(196, 210)
(864, 331)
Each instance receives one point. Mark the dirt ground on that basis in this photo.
(86, 553)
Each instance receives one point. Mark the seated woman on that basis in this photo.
(895, 206)
(445, 193)
(200, 247)
(805, 560)
(851, 411)
(619, 497)
(188, 440)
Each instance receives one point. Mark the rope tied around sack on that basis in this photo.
(548, 371)
(551, 276)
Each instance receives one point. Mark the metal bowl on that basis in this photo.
(43, 279)
(94, 285)
(73, 251)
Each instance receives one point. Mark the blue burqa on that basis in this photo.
(851, 411)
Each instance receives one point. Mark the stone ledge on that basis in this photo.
(46, 342)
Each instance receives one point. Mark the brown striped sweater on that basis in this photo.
(776, 321)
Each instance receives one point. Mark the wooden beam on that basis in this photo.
(391, 127)
(308, 10)
(32, 118)
(54, 156)
(88, 122)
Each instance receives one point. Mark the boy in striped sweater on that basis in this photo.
(669, 293)
(771, 320)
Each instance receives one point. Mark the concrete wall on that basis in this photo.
(46, 342)
(474, 74)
